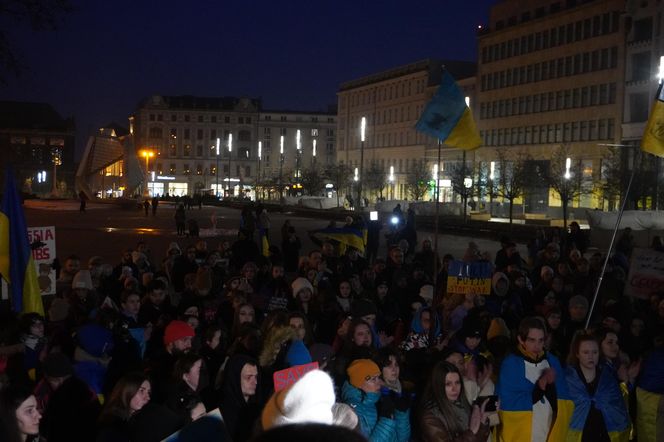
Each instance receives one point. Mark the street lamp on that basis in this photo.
(258, 176)
(363, 130)
(434, 176)
(313, 157)
(57, 161)
(147, 154)
(390, 178)
(281, 167)
(492, 176)
(568, 165)
(298, 145)
(230, 150)
(216, 171)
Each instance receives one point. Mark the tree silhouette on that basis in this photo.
(417, 182)
(513, 176)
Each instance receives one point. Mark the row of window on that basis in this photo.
(581, 63)
(157, 132)
(404, 88)
(267, 132)
(591, 130)
(200, 118)
(297, 118)
(599, 94)
(601, 24)
(37, 141)
(240, 153)
(202, 169)
(400, 165)
(267, 146)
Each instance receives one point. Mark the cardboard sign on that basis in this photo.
(469, 278)
(287, 377)
(646, 273)
(43, 257)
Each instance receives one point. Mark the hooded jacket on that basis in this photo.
(239, 415)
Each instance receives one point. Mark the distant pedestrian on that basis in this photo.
(180, 219)
(82, 198)
(155, 203)
(193, 227)
(146, 206)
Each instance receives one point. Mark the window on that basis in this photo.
(213, 134)
(151, 117)
(227, 120)
(174, 117)
(155, 132)
(244, 135)
(199, 169)
(240, 120)
(172, 150)
(200, 118)
(199, 134)
(186, 133)
(199, 150)
(213, 119)
(173, 133)
(160, 117)
(314, 132)
(187, 150)
(172, 170)
(186, 169)
(186, 118)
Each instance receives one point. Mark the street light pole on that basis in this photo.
(258, 176)
(298, 145)
(313, 157)
(391, 180)
(147, 154)
(363, 128)
(281, 167)
(216, 171)
(230, 150)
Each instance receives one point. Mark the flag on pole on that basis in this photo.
(265, 243)
(448, 118)
(653, 137)
(345, 236)
(16, 264)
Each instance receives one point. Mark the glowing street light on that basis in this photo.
(363, 132)
(568, 165)
(281, 167)
(147, 154)
(260, 157)
(216, 171)
(230, 150)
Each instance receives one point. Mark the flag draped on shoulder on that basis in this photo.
(448, 118)
(345, 236)
(653, 137)
(16, 264)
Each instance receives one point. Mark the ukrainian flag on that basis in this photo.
(265, 244)
(345, 236)
(653, 137)
(448, 118)
(16, 264)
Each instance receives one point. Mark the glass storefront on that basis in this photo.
(177, 189)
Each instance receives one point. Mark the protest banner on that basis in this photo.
(42, 241)
(288, 376)
(646, 273)
(469, 278)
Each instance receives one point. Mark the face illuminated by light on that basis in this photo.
(610, 347)
(28, 417)
(534, 342)
(588, 355)
(297, 324)
(248, 380)
(141, 398)
(362, 336)
(391, 371)
(452, 386)
(246, 314)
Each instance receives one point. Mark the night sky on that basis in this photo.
(107, 55)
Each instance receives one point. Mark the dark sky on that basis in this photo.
(107, 55)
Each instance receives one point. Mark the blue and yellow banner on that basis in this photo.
(345, 236)
(653, 136)
(16, 265)
(448, 118)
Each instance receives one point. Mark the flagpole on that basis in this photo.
(435, 240)
(613, 238)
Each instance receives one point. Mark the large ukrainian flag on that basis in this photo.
(345, 236)
(16, 264)
(448, 118)
(653, 137)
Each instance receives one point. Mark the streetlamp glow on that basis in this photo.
(434, 174)
(660, 74)
(218, 143)
(297, 140)
(467, 100)
(230, 142)
(467, 183)
(492, 171)
(314, 149)
(260, 148)
(216, 170)
(147, 154)
(281, 145)
(363, 129)
(568, 164)
(356, 177)
(230, 150)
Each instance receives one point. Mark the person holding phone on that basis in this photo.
(446, 415)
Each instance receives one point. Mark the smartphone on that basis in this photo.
(492, 405)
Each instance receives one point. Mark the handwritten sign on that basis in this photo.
(43, 257)
(646, 273)
(285, 378)
(469, 278)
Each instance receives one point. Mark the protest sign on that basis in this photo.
(287, 377)
(469, 278)
(646, 273)
(42, 240)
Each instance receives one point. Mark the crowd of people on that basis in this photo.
(138, 349)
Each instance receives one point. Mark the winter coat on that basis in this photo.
(373, 427)
(433, 429)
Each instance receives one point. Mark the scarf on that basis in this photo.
(532, 357)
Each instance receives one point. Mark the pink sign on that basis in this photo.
(285, 378)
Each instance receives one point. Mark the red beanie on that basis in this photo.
(177, 330)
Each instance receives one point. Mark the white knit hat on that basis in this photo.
(82, 280)
(301, 284)
(310, 399)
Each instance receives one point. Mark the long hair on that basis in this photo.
(309, 334)
(11, 399)
(123, 392)
(236, 317)
(184, 364)
(435, 396)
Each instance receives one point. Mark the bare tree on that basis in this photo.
(613, 173)
(313, 180)
(339, 176)
(567, 178)
(513, 176)
(417, 182)
(375, 179)
(461, 177)
(41, 15)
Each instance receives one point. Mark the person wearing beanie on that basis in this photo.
(67, 402)
(381, 419)
(297, 354)
(177, 341)
(301, 284)
(304, 301)
(297, 404)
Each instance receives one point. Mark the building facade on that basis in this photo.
(392, 102)
(39, 144)
(551, 75)
(190, 145)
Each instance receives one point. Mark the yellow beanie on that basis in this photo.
(361, 370)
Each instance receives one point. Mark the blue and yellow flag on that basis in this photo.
(653, 137)
(16, 264)
(448, 118)
(345, 236)
(265, 243)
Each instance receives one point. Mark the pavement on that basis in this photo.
(106, 229)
